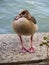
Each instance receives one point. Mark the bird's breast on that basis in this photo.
(23, 26)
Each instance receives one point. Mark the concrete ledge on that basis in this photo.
(10, 47)
(35, 62)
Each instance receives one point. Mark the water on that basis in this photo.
(10, 8)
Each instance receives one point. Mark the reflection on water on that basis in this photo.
(10, 8)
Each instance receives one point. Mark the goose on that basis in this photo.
(25, 24)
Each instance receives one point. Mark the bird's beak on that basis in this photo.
(17, 17)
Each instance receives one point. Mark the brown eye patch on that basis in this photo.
(23, 13)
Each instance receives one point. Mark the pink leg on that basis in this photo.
(23, 50)
(31, 50)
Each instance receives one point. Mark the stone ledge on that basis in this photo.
(10, 46)
(32, 62)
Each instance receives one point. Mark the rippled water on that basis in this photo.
(10, 8)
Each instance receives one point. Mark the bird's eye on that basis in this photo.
(23, 13)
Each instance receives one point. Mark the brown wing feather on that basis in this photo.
(33, 19)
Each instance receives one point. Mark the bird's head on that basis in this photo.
(23, 13)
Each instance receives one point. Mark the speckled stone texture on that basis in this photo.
(10, 46)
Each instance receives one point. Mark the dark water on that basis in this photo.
(10, 8)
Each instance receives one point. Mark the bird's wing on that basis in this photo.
(33, 19)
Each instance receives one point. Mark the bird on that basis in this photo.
(25, 24)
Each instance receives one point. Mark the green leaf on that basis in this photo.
(47, 41)
(45, 38)
(47, 45)
(41, 44)
(44, 43)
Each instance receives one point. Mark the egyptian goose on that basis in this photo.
(25, 24)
